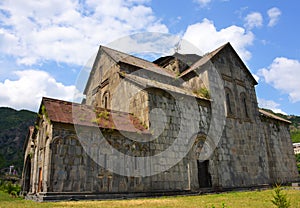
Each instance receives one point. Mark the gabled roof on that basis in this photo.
(273, 116)
(60, 111)
(187, 59)
(119, 56)
(208, 57)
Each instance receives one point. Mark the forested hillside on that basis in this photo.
(13, 131)
(295, 128)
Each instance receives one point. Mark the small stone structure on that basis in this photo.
(156, 103)
(296, 147)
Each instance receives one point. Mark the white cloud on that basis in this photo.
(253, 20)
(206, 37)
(30, 86)
(283, 74)
(274, 14)
(69, 31)
(270, 104)
(203, 2)
(159, 43)
(8, 42)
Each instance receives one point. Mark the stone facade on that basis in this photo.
(173, 106)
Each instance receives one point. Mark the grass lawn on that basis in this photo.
(255, 199)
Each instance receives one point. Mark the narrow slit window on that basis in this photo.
(229, 109)
(135, 163)
(245, 107)
(105, 161)
(105, 102)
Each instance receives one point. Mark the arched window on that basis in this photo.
(198, 146)
(244, 103)
(230, 106)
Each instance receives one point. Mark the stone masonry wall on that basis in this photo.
(103, 68)
(242, 155)
(73, 170)
(279, 150)
(177, 122)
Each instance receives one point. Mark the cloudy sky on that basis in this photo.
(45, 44)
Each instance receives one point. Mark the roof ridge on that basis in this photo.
(106, 50)
(55, 99)
(208, 55)
(105, 47)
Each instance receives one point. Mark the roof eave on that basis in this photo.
(272, 116)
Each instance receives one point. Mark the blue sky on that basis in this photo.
(45, 44)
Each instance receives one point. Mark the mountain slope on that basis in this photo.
(295, 128)
(13, 131)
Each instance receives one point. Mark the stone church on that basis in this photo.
(157, 128)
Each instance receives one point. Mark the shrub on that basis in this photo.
(104, 114)
(10, 188)
(203, 92)
(279, 198)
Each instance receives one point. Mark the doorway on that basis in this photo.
(204, 177)
(27, 175)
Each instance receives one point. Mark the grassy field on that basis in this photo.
(255, 199)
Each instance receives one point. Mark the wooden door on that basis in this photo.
(40, 180)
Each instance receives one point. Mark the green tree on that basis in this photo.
(2, 161)
(279, 198)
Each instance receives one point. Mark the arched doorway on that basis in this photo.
(27, 175)
(200, 149)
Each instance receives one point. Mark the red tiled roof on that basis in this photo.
(79, 114)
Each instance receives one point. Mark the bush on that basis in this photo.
(279, 198)
(203, 92)
(297, 158)
(10, 188)
(295, 135)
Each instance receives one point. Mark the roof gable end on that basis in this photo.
(210, 57)
(228, 48)
(102, 51)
